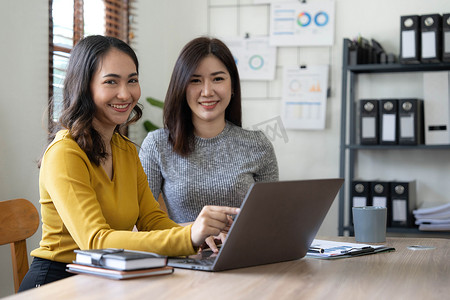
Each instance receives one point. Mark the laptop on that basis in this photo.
(277, 222)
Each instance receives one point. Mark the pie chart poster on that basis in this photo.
(254, 56)
(302, 24)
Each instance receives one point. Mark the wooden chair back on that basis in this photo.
(19, 219)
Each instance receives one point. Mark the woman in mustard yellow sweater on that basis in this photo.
(93, 190)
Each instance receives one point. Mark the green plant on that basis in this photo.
(148, 125)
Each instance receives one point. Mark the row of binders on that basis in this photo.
(409, 121)
(425, 38)
(398, 197)
(363, 51)
(391, 122)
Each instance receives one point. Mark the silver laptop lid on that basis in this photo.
(277, 222)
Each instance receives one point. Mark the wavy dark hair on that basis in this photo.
(78, 106)
(177, 114)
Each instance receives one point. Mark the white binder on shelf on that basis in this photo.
(436, 94)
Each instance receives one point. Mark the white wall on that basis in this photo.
(23, 98)
(308, 154)
(163, 27)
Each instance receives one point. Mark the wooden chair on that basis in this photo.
(19, 220)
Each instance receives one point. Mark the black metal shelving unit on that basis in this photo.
(348, 145)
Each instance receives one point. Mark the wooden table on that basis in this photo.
(403, 274)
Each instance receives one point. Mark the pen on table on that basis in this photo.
(355, 251)
(316, 250)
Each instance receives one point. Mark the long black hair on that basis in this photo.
(177, 114)
(78, 106)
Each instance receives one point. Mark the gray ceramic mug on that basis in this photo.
(370, 224)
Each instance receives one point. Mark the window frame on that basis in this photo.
(117, 24)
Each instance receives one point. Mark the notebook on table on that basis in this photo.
(278, 221)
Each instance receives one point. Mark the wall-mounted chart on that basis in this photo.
(304, 97)
(254, 56)
(302, 24)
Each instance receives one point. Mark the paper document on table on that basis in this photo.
(332, 250)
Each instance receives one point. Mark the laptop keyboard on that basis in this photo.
(203, 262)
(205, 258)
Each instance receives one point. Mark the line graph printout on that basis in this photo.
(302, 24)
(304, 97)
(254, 57)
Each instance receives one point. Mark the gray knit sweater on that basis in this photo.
(218, 172)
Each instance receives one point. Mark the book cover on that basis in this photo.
(116, 274)
(120, 259)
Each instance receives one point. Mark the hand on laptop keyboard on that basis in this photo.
(212, 221)
(212, 239)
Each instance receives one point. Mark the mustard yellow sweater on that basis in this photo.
(82, 208)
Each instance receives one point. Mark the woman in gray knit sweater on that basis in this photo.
(203, 156)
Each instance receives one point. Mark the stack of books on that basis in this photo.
(119, 263)
(435, 218)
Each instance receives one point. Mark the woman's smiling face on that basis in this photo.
(209, 91)
(115, 89)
